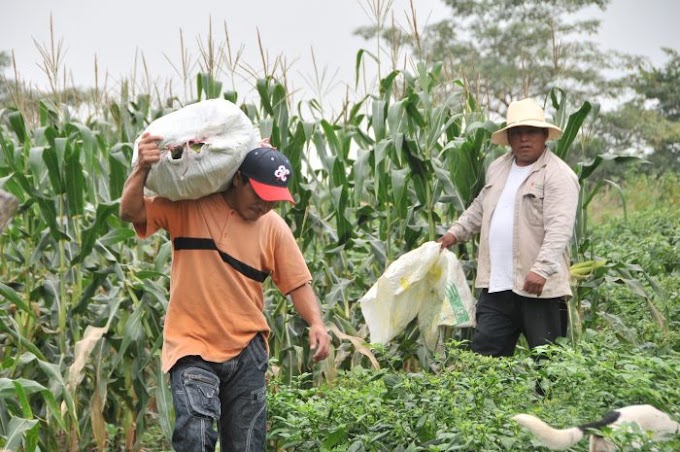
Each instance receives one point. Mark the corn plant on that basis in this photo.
(84, 324)
(371, 185)
(585, 287)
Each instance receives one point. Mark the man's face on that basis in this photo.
(250, 206)
(527, 143)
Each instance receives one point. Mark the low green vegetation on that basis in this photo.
(636, 191)
(465, 402)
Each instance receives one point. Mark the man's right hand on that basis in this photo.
(132, 206)
(148, 151)
(447, 240)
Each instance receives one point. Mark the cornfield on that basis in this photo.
(83, 300)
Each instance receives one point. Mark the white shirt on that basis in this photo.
(501, 231)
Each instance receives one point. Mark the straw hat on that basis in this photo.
(524, 112)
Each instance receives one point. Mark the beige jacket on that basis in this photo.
(545, 212)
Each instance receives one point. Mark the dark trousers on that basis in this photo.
(503, 316)
(226, 399)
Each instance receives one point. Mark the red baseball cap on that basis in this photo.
(269, 172)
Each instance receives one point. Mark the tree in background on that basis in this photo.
(507, 49)
(662, 86)
(659, 89)
(649, 123)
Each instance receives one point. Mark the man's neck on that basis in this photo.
(229, 197)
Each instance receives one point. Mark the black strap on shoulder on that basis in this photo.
(191, 243)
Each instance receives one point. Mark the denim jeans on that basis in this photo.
(228, 397)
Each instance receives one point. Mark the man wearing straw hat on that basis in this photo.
(525, 216)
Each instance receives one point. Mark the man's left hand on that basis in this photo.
(534, 283)
(319, 341)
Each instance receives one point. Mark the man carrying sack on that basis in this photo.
(225, 245)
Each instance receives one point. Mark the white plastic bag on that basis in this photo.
(458, 306)
(209, 140)
(425, 282)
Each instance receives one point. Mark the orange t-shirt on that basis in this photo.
(219, 262)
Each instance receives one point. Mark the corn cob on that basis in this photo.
(582, 270)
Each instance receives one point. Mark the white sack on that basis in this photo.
(425, 282)
(214, 137)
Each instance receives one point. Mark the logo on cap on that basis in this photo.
(282, 173)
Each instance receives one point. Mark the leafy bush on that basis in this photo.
(650, 239)
(467, 405)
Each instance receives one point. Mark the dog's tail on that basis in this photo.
(555, 439)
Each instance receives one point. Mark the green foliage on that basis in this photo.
(402, 411)
(642, 131)
(467, 404)
(661, 84)
(648, 240)
(648, 124)
(72, 293)
(640, 191)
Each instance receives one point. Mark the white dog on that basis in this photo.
(659, 424)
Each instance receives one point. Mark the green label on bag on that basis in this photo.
(459, 312)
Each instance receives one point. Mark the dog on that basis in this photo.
(647, 417)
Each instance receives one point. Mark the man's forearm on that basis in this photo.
(132, 207)
(307, 305)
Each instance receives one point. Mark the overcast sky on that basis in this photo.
(117, 31)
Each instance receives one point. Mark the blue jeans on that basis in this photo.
(229, 397)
